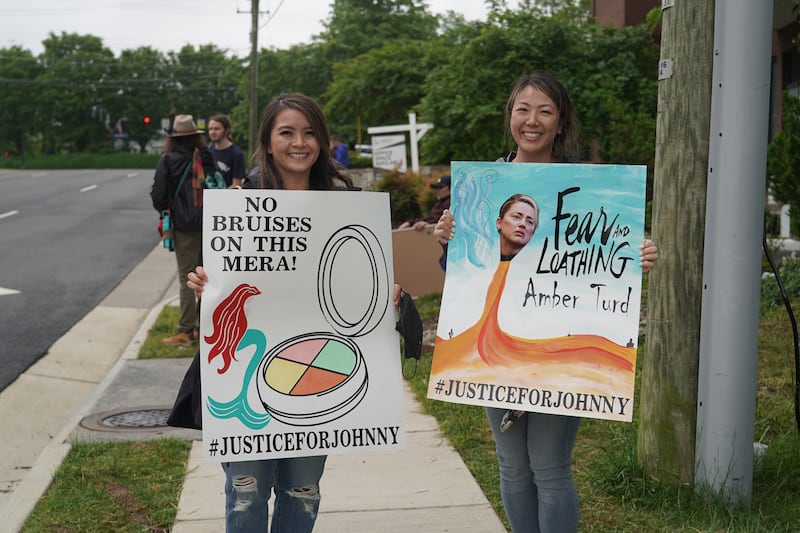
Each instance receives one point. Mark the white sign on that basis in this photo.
(299, 355)
(415, 133)
(664, 69)
(389, 152)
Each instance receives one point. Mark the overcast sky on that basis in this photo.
(169, 24)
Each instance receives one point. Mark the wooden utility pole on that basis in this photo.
(253, 126)
(668, 402)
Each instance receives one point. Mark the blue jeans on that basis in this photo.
(249, 484)
(536, 485)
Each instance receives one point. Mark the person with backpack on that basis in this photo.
(178, 191)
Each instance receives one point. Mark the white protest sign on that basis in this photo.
(299, 355)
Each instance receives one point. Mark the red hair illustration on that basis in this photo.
(230, 324)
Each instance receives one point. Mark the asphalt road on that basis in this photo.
(67, 238)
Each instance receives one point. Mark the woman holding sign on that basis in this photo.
(293, 153)
(535, 449)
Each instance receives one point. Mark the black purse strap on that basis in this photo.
(180, 183)
(178, 188)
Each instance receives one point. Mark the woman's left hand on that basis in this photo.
(445, 228)
(648, 255)
(197, 281)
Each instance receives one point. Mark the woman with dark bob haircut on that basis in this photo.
(535, 449)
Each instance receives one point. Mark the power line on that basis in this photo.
(271, 15)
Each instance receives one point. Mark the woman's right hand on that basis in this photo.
(445, 228)
(197, 280)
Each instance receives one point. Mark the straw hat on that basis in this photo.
(183, 125)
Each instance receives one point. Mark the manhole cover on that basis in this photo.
(150, 418)
(140, 419)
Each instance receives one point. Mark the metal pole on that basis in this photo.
(412, 128)
(732, 252)
(253, 130)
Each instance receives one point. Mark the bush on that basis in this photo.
(789, 271)
(403, 192)
(783, 156)
(357, 161)
(772, 223)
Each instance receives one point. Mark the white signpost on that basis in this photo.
(415, 131)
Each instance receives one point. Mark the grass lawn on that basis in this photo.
(616, 497)
(120, 486)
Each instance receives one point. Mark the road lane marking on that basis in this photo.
(132, 174)
(8, 214)
(4, 291)
(89, 188)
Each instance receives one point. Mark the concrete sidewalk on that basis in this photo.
(424, 488)
(91, 375)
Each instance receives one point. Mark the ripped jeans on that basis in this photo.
(248, 487)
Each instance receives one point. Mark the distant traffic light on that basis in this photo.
(146, 120)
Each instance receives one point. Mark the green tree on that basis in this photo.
(357, 26)
(19, 94)
(301, 68)
(203, 81)
(139, 88)
(379, 87)
(783, 157)
(608, 72)
(75, 68)
(465, 95)
(375, 61)
(580, 7)
(617, 96)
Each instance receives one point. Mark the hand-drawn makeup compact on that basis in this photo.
(315, 378)
(312, 379)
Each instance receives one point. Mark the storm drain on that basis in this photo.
(132, 420)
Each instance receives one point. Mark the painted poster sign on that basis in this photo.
(299, 355)
(554, 328)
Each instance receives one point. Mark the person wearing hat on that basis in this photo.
(442, 186)
(178, 190)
